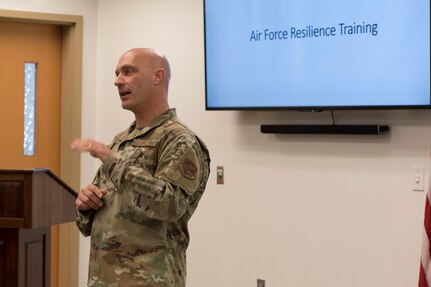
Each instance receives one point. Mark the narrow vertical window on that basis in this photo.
(29, 108)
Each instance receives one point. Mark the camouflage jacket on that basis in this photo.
(155, 179)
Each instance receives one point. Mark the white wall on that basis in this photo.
(329, 211)
(311, 210)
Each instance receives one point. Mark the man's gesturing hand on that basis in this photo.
(96, 149)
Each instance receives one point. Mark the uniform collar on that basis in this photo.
(157, 121)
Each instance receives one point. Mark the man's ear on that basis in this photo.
(158, 76)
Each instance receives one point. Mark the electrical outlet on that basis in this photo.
(418, 178)
(220, 175)
(260, 283)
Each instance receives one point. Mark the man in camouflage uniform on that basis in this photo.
(151, 180)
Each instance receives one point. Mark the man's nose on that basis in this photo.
(118, 80)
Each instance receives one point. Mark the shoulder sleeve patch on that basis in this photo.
(188, 168)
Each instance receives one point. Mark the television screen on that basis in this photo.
(317, 55)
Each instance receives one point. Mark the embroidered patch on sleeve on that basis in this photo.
(188, 168)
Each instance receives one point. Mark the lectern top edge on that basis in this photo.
(41, 170)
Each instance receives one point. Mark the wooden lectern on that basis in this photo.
(30, 202)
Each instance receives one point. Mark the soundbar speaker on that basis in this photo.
(325, 129)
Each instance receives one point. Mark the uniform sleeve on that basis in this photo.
(84, 219)
(167, 194)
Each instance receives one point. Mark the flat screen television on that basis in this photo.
(317, 55)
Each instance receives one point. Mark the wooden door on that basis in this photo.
(22, 43)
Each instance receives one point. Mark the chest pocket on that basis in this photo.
(145, 154)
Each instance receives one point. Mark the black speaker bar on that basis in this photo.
(325, 129)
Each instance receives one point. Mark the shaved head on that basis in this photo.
(152, 59)
(142, 78)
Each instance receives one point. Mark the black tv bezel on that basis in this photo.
(305, 108)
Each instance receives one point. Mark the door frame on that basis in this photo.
(70, 126)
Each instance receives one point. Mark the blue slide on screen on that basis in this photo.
(303, 53)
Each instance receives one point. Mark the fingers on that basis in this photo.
(96, 149)
(90, 197)
(82, 144)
